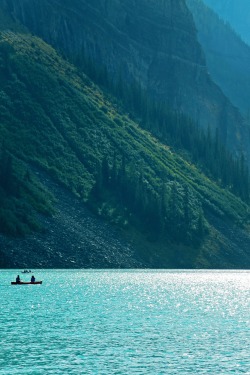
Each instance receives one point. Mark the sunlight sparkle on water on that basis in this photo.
(126, 322)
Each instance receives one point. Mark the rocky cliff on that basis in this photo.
(151, 42)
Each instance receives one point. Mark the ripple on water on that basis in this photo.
(126, 322)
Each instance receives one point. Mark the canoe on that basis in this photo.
(25, 282)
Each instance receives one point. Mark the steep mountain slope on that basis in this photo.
(55, 121)
(227, 55)
(152, 43)
(73, 237)
(236, 13)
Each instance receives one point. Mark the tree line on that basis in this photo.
(171, 211)
(176, 129)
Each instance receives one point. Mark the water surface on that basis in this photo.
(126, 322)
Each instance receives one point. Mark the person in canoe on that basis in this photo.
(18, 279)
(33, 279)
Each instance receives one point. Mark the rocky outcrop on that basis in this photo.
(75, 238)
(72, 238)
(151, 42)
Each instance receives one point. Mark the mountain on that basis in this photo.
(234, 12)
(227, 56)
(149, 43)
(82, 184)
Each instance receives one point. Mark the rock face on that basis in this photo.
(152, 42)
(73, 238)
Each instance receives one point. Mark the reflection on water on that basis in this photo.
(126, 322)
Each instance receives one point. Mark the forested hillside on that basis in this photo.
(170, 192)
(227, 55)
(55, 119)
(150, 44)
(234, 12)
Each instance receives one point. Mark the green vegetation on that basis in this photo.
(21, 197)
(173, 128)
(54, 118)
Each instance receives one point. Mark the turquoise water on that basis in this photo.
(126, 322)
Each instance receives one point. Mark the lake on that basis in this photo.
(125, 322)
